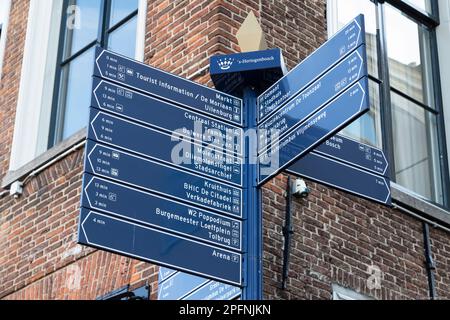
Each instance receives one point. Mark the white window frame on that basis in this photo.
(442, 35)
(5, 8)
(34, 106)
(332, 28)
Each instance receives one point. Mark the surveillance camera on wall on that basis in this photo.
(300, 189)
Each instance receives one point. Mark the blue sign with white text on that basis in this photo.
(160, 212)
(343, 176)
(312, 98)
(214, 290)
(163, 116)
(231, 73)
(337, 114)
(161, 84)
(156, 246)
(179, 285)
(331, 52)
(165, 273)
(246, 61)
(176, 285)
(175, 150)
(355, 153)
(156, 177)
(173, 169)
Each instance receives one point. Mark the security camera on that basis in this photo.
(300, 189)
(16, 189)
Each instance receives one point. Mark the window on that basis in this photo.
(368, 128)
(406, 117)
(53, 63)
(424, 5)
(111, 24)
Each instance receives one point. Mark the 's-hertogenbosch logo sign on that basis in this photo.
(225, 64)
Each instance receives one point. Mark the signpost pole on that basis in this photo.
(253, 212)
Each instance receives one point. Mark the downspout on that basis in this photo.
(287, 233)
(430, 265)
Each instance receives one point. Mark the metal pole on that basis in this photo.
(253, 262)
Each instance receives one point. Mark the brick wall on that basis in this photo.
(440, 246)
(337, 236)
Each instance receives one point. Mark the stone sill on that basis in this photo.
(46, 157)
(420, 206)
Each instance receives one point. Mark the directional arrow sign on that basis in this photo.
(165, 273)
(179, 286)
(214, 290)
(342, 176)
(355, 153)
(314, 97)
(337, 114)
(102, 231)
(163, 116)
(156, 211)
(211, 161)
(330, 53)
(158, 83)
(162, 179)
(176, 285)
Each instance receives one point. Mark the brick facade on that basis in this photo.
(337, 236)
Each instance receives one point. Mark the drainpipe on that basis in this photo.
(430, 265)
(287, 233)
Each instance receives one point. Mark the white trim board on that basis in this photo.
(140, 32)
(5, 9)
(443, 34)
(36, 82)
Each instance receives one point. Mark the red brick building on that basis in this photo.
(343, 246)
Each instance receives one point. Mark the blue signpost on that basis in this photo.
(164, 166)
(165, 273)
(163, 116)
(258, 69)
(351, 104)
(348, 165)
(207, 159)
(338, 79)
(160, 178)
(179, 285)
(320, 61)
(160, 212)
(168, 178)
(166, 86)
(355, 153)
(343, 176)
(214, 290)
(157, 246)
(175, 285)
